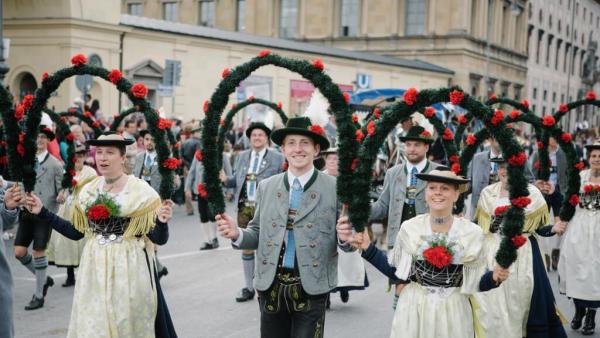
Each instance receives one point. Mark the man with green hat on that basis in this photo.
(251, 167)
(293, 231)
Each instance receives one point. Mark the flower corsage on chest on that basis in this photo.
(590, 197)
(437, 263)
(103, 214)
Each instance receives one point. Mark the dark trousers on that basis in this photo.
(286, 311)
(554, 201)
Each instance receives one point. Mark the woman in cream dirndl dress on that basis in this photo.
(579, 264)
(514, 309)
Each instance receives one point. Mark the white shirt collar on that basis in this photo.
(41, 156)
(420, 166)
(493, 154)
(151, 154)
(260, 153)
(303, 178)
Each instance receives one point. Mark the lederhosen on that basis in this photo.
(409, 210)
(247, 208)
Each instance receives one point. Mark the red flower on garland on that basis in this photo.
(580, 165)
(171, 163)
(96, 124)
(456, 168)
(425, 134)
(493, 96)
(79, 60)
(27, 101)
(44, 76)
(429, 112)
(164, 124)
(98, 213)
(317, 63)
(540, 144)
(72, 110)
(222, 122)
(497, 118)
(563, 108)
(371, 128)
(453, 158)
(521, 202)
(202, 190)
(501, 210)
(462, 119)
(279, 105)
(317, 129)
(346, 97)
(21, 137)
(70, 137)
(359, 135)
(590, 95)
(72, 173)
(456, 97)
(20, 149)
(3, 159)
(74, 160)
(177, 145)
(73, 182)
(536, 165)
(574, 200)
(198, 155)
(471, 139)
(264, 53)
(88, 114)
(410, 96)
(19, 111)
(519, 241)
(233, 105)
(139, 90)
(518, 160)
(354, 118)
(285, 166)
(225, 73)
(448, 135)
(251, 98)
(205, 106)
(588, 188)
(548, 121)
(115, 76)
(376, 113)
(514, 114)
(438, 256)
(525, 103)
(510, 126)
(566, 137)
(354, 164)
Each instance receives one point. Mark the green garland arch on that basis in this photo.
(418, 101)
(312, 72)
(12, 128)
(136, 94)
(67, 181)
(91, 122)
(227, 121)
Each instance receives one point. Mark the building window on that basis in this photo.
(240, 20)
(557, 54)
(566, 59)
(170, 11)
(559, 28)
(553, 97)
(541, 17)
(539, 46)
(545, 95)
(350, 16)
(206, 14)
(415, 17)
(534, 94)
(288, 19)
(135, 9)
(562, 97)
(548, 46)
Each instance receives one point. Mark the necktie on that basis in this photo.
(255, 163)
(252, 183)
(148, 163)
(494, 168)
(413, 183)
(290, 247)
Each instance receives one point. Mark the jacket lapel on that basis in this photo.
(310, 199)
(283, 197)
(264, 163)
(402, 180)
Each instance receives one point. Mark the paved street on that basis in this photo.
(200, 291)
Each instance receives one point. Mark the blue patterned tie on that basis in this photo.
(290, 247)
(252, 185)
(494, 168)
(413, 183)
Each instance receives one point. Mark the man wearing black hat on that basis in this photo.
(49, 173)
(293, 231)
(251, 167)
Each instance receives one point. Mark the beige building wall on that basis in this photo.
(46, 44)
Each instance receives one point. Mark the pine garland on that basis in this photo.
(92, 123)
(67, 181)
(232, 78)
(12, 131)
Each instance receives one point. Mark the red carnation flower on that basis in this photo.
(98, 213)
(438, 256)
(139, 90)
(20, 149)
(251, 98)
(171, 163)
(202, 190)
(371, 128)
(501, 210)
(425, 134)
(359, 135)
(574, 200)
(19, 111)
(225, 73)
(590, 95)
(588, 188)
(96, 124)
(354, 118)
(72, 173)
(164, 124)
(540, 144)
(510, 126)
(71, 110)
(519, 241)
(514, 114)
(566, 137)
(376, 113)
(177, 145)
(448, 135)
(521, 202)
(44, 76)
(346, 97)
(493, 96)
(354, 164)
(462, 119)
(222, 122)
(580, 165)
(73, 182)
(548, 121)
(70, 137)
(317, 63)
(285, 166)
(3, 159)
(74, 160)
(264, 53)
(198, 155)
(27, 101)
(453, 158)
(21, 137)
(455, 168)
(79, 60)
(88, 114)
(456, 97)
(410, 96)
(563, 108)
(518, 160)
(497, 118)
(525, 103)
(115, 76)
(471, 139)
(279, 105)
(317, 129)
(429, 112)
(205, 106)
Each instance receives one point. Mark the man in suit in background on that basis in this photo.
(251, 167)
